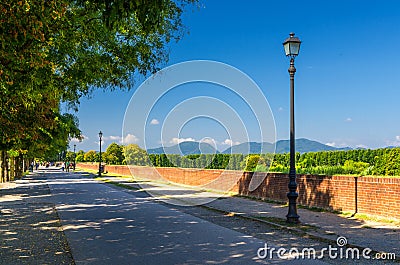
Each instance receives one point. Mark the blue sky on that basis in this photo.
(346, 87)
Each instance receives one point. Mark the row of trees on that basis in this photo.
(115, 154)
(56, 51)
(384, 161)
(132, 154)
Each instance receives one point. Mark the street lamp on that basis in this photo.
(292, 48)
(100, 136)
(74, 156)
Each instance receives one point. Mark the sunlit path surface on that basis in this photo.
(104, 225)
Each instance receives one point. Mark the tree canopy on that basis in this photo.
(114, 154)
(134, 155)
(56, 51)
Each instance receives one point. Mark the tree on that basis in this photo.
(388, 163)
(74, 46)
(90, 156)
(134, 155)
(69, 156)
(60, 50)
(114, 154)
(352, 167)
(80, 158)
(251, 162)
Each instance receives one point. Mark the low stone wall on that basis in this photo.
(369, 195)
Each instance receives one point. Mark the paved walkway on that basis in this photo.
(104, 225)
(380, 237)
(30, 229)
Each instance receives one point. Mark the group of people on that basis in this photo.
(67, 166)
(33, 165)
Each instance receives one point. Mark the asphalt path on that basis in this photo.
(105, 225)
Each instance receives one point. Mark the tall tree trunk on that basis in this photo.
(7, 166)
(2, 166)
(12, 168)
(23, 164)
(18, 166)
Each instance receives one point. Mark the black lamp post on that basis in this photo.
(74, 157)
(100, 136)
(292, 48)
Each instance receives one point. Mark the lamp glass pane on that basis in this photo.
(287, 49)
(294, 48)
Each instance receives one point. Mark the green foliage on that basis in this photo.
(388, 163)
(207, 161)
(69, 156)
(278, 168)
(60, 50)
(261, 168)
(251, 162)
(80, 158)
(384, 161)
(73, 46)
(321, 170)
(134, 155)
(114, 154)
(90, 156)
(356, 162)
(352, 167)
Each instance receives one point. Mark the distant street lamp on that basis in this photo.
(292, 48)
(74, 157)
(100, 136)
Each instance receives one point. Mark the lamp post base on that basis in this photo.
(292, 219)
(292, 216)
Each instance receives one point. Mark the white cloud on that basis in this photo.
(75, 140)
(114, 138)
(229, 142)
(338, 145)
(349, 120)
(398, 138)
(210, 141)
(333, 144)
(280, 109)
(129, 139)
(154, 122)
(180, 140)
(361, 146)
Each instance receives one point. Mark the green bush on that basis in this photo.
(80, 158)
(134, 155)
(252, 161)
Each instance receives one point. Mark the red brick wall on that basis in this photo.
(376, 196)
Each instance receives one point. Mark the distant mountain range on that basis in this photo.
(282, 146)
(305, 146)
(185, 148)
